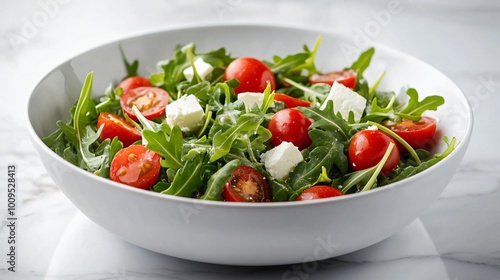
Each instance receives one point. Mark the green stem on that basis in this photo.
(399, 139)
(373, 178)
(372, 89)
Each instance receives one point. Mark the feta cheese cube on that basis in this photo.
(281, 160)
(345, 100)
(186, 112)
(251, 98)
(203, 69)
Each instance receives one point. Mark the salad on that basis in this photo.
(215, 127)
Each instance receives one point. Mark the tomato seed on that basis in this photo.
(122, 171)
(132, 157)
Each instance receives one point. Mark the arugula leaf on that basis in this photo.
(324, 154)
(131, 68)
(223, 141)
(415, 108)
(412, 170)
(296, 62)
(217, 181)
(108, 149)
(84, 117)
(327, 120)
(168, 146)
(110, 102)
(363, 62)
(189, 178)
(173, 71)
(280, 189)
(314, 93)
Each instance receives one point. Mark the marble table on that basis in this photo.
(457, 237)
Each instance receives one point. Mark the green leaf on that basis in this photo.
(217, 181)
(327, 120)
(109, 150)
(189, 178)
(168, 146)
(223, 141)
(296, 62)
(307, 173)
(412, 170)
(280, 189)
(131, 68)
(363, 62)
(414, 109)
(85, 115)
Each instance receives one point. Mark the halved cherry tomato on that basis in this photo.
(418, 134)
(346, 77)
(318, 191)
(246, 185)
(253, 75)
(133, 82)
(116, 126)
(135, 166)
(368, 147)
(151, 101)
(290, 125)
(291, 102)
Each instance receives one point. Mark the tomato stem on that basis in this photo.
(373, 178)
(399, 139)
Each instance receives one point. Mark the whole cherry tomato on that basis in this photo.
(253, 75)
(318, 191)
(290, 125)
(368, 147)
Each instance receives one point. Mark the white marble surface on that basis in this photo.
(456, 238)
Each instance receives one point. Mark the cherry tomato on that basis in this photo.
(319, 191)
(116, 126)
(246, 185)
(291, 102)
(418, 134)
(367, 148)
(135, 166)
(133, 82)
(151, 101)
(346, 77)
(252, 74)
(292, 126)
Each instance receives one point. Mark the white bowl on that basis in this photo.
(240, 233)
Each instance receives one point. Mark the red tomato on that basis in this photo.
(367, 148)
(135, 166)
(116, 126)
(292, 126)
(151, 101)
(246, 185)
(133, 82)
(319, 191)
(291, 102)
(346, 77)
(252, 74)
(417, 134)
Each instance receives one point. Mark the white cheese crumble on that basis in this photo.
(251, 98)
(281, 160)
(202, 68)
(345, 100)
(186, 112)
